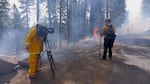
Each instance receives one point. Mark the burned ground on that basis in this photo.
(80, 64)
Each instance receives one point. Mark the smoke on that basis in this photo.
(12, 42)
(136, 22)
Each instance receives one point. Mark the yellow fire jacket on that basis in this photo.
(104, 29)
(34, 42)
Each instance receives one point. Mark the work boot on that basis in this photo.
(38, 71)
(110, 57)
(103, 59)
(32, 77)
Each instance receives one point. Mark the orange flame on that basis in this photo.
(96, 32)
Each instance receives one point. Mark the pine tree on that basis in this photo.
(96, 14)
(17, 25)
(17, 29)
(74, 20)
(84, 13)
(63, 19)
(4, 17)
(37, 10)
(118, 12)
(25, 7)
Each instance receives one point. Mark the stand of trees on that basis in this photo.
(71, 19)
(4, 17)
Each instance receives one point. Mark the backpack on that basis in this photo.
(110, 35)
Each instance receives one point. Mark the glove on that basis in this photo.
(27, 47)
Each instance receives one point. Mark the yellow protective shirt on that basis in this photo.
(105, 28)
(34, 42)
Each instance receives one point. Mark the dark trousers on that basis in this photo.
(105, 53)
(108, 44)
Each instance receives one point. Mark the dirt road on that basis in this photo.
(132, 63)
(80, 64)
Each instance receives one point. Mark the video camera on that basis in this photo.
(43, 31)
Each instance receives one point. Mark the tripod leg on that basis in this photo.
(50, 58)
(53, 62)
(52, 68)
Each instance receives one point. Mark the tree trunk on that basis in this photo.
(68, 22)
(27, 15)
(49, 11)
(92, 21)
(37, 11)
(60, 25)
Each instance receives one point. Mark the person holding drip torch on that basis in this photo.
(34, 46)
(108, 31)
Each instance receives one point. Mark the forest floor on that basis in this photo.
(81, 64)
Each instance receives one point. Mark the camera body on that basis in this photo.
(43, 31)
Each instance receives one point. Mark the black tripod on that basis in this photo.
(50, 57)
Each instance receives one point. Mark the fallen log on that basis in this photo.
(7, 64)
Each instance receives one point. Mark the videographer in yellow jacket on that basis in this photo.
(34, 45)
